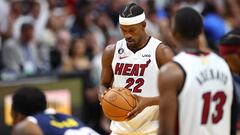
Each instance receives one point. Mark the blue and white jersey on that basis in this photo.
(60, 124)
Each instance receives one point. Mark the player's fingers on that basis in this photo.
(100, 97)
(132, 112)
(136, 97)
(134, 109)
(132, 116)
(100, 100)
(104, 92)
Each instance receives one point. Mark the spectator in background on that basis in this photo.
(9, 14)
(60, 51)
(107, 30)
(113, 9)
(1, 63)
(232, 13)
(22, 55)
(229, 49)
(152, 27)
(55, 26)
(4, 6)
(90, 24)
(214, 25)
(83, 22)
(165, 16)
(92, 45)
(49, 35)
(197, 5)
(38, 15)
(70, 11)
(52, 5)
(77, 59)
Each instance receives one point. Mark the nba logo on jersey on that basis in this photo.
(120, 51)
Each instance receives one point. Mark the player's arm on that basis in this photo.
(106, 79)
(163, 55)
(26, 128)
(142, 103)
(170, 80)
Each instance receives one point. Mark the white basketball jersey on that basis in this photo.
(137, 72)
(206, 97)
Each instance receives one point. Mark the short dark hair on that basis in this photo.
(131, 10)
(29, 101)
(231, 38)
(72, 48)
(188, 22)
(25, 26)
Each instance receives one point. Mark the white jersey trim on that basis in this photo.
(32, 119)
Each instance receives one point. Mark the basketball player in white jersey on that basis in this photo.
(133, 63)
(196, 88)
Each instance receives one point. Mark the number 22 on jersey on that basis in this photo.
(138, 83)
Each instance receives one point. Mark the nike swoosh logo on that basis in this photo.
(123, 57)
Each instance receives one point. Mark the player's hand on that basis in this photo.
(142, 103)
(101, 94)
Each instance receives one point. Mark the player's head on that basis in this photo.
(27, 32)
(229, 48)
(27, 101)
(187, 24)
(132, 24)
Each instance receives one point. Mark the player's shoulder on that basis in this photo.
(108, 53)
(172, 73)
(110, 48)
(26, 127)
(164, 54)
(164, 48)
(170, 67)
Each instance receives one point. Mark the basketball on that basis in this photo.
(117, 103)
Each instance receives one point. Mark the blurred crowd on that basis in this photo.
(61, 36)
(42, 37)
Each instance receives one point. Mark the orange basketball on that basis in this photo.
(117, 103)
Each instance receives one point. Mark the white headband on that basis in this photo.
(132, 20)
